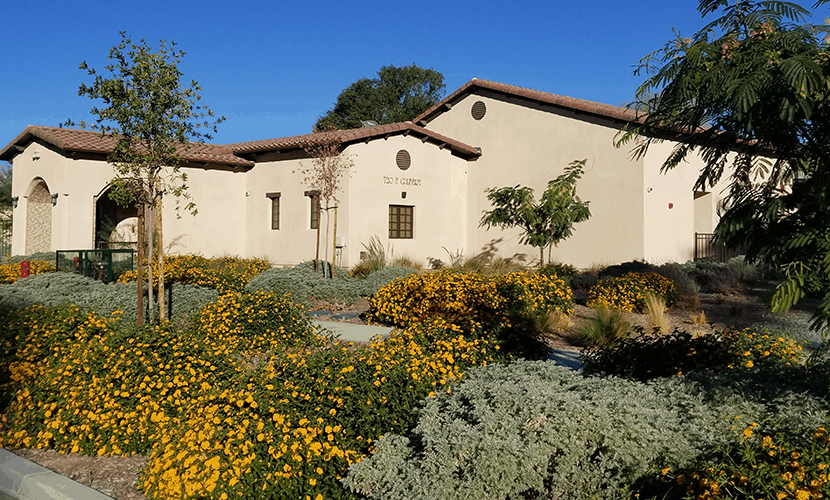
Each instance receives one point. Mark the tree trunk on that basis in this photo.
(160, 250)
(334, 244)
(151, 306)
(541, 257)
(140, 266)
(328, 223)
(317, 255)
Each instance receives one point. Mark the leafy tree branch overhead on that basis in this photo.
(750, 92)
(398, 94)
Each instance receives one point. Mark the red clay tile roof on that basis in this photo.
(572, 103)
(88, 141)
(354, 135)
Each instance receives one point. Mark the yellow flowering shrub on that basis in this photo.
(246, 402)
(628, 292)
(225, 274)
(10, 271)
(770, 465)
(468, 300)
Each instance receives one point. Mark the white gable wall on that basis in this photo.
(530, 146)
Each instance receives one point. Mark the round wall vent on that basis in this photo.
(479, 110)
(403, 159)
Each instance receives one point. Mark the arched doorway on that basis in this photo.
(115, 225)
(39, 218)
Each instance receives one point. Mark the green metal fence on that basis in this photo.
(104, 265)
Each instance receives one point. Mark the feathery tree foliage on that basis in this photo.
(750, 92)
(398, 94)
(152, 116)
(545, 222)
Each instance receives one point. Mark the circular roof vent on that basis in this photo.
(403, 159)
(479, 110)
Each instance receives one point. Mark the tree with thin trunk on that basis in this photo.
(545, 222)
(153, 118)
(324, 173)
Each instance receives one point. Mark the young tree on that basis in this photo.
(544, 223)
(153, 117)
(324, 175)
(398, 94)
(751, 93)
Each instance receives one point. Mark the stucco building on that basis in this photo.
(418, 186)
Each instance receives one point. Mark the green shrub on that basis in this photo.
(620, 270)
(646, 356)
(536, 430)
(686, 287)
(628, 292)
(583, 281)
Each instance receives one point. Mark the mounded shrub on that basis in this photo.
(537, 430)
(54, 289)
(628, 293)
(645, 356)
(224, 274)
(468, 300)
(303, 283)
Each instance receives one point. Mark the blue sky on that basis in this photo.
(272, 68)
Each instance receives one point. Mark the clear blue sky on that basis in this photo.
(271, 68)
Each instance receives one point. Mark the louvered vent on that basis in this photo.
(403, 159)
(479, 110)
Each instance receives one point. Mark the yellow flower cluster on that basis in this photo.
(225, 274)
(247, 402)
(750, 347)
(773, 470)
(628, 293)
(10, 271)
(467, 300)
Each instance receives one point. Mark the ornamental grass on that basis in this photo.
(248, 401)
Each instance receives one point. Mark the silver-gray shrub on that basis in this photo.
(56, 289)
(303, 283)
(531, 429)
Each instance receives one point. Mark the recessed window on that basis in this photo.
(315, 208)
(479, 110)
(403, 160)
(275, 209)
(401, 219)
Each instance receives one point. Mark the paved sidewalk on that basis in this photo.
(21, 479)
(352, 332)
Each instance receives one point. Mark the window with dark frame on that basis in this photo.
(275, 209)
(315, 208)
(401, 219)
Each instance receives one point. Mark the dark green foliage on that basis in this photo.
(685, 285)
(583, 281)
(634, 266)
(646, 356)
(749, 93)
(398, 94)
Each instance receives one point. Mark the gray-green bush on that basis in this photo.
(54, 289)
(303, 283)
(536, 430)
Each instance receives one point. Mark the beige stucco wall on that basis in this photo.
(435, 184)
(217, 194)
(530, 146)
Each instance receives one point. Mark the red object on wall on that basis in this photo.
(671, 205)
(24, 269)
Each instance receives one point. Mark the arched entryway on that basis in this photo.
(115, 225)
(39, 218)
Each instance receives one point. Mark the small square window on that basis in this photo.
(401, 221)
(275, 209)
